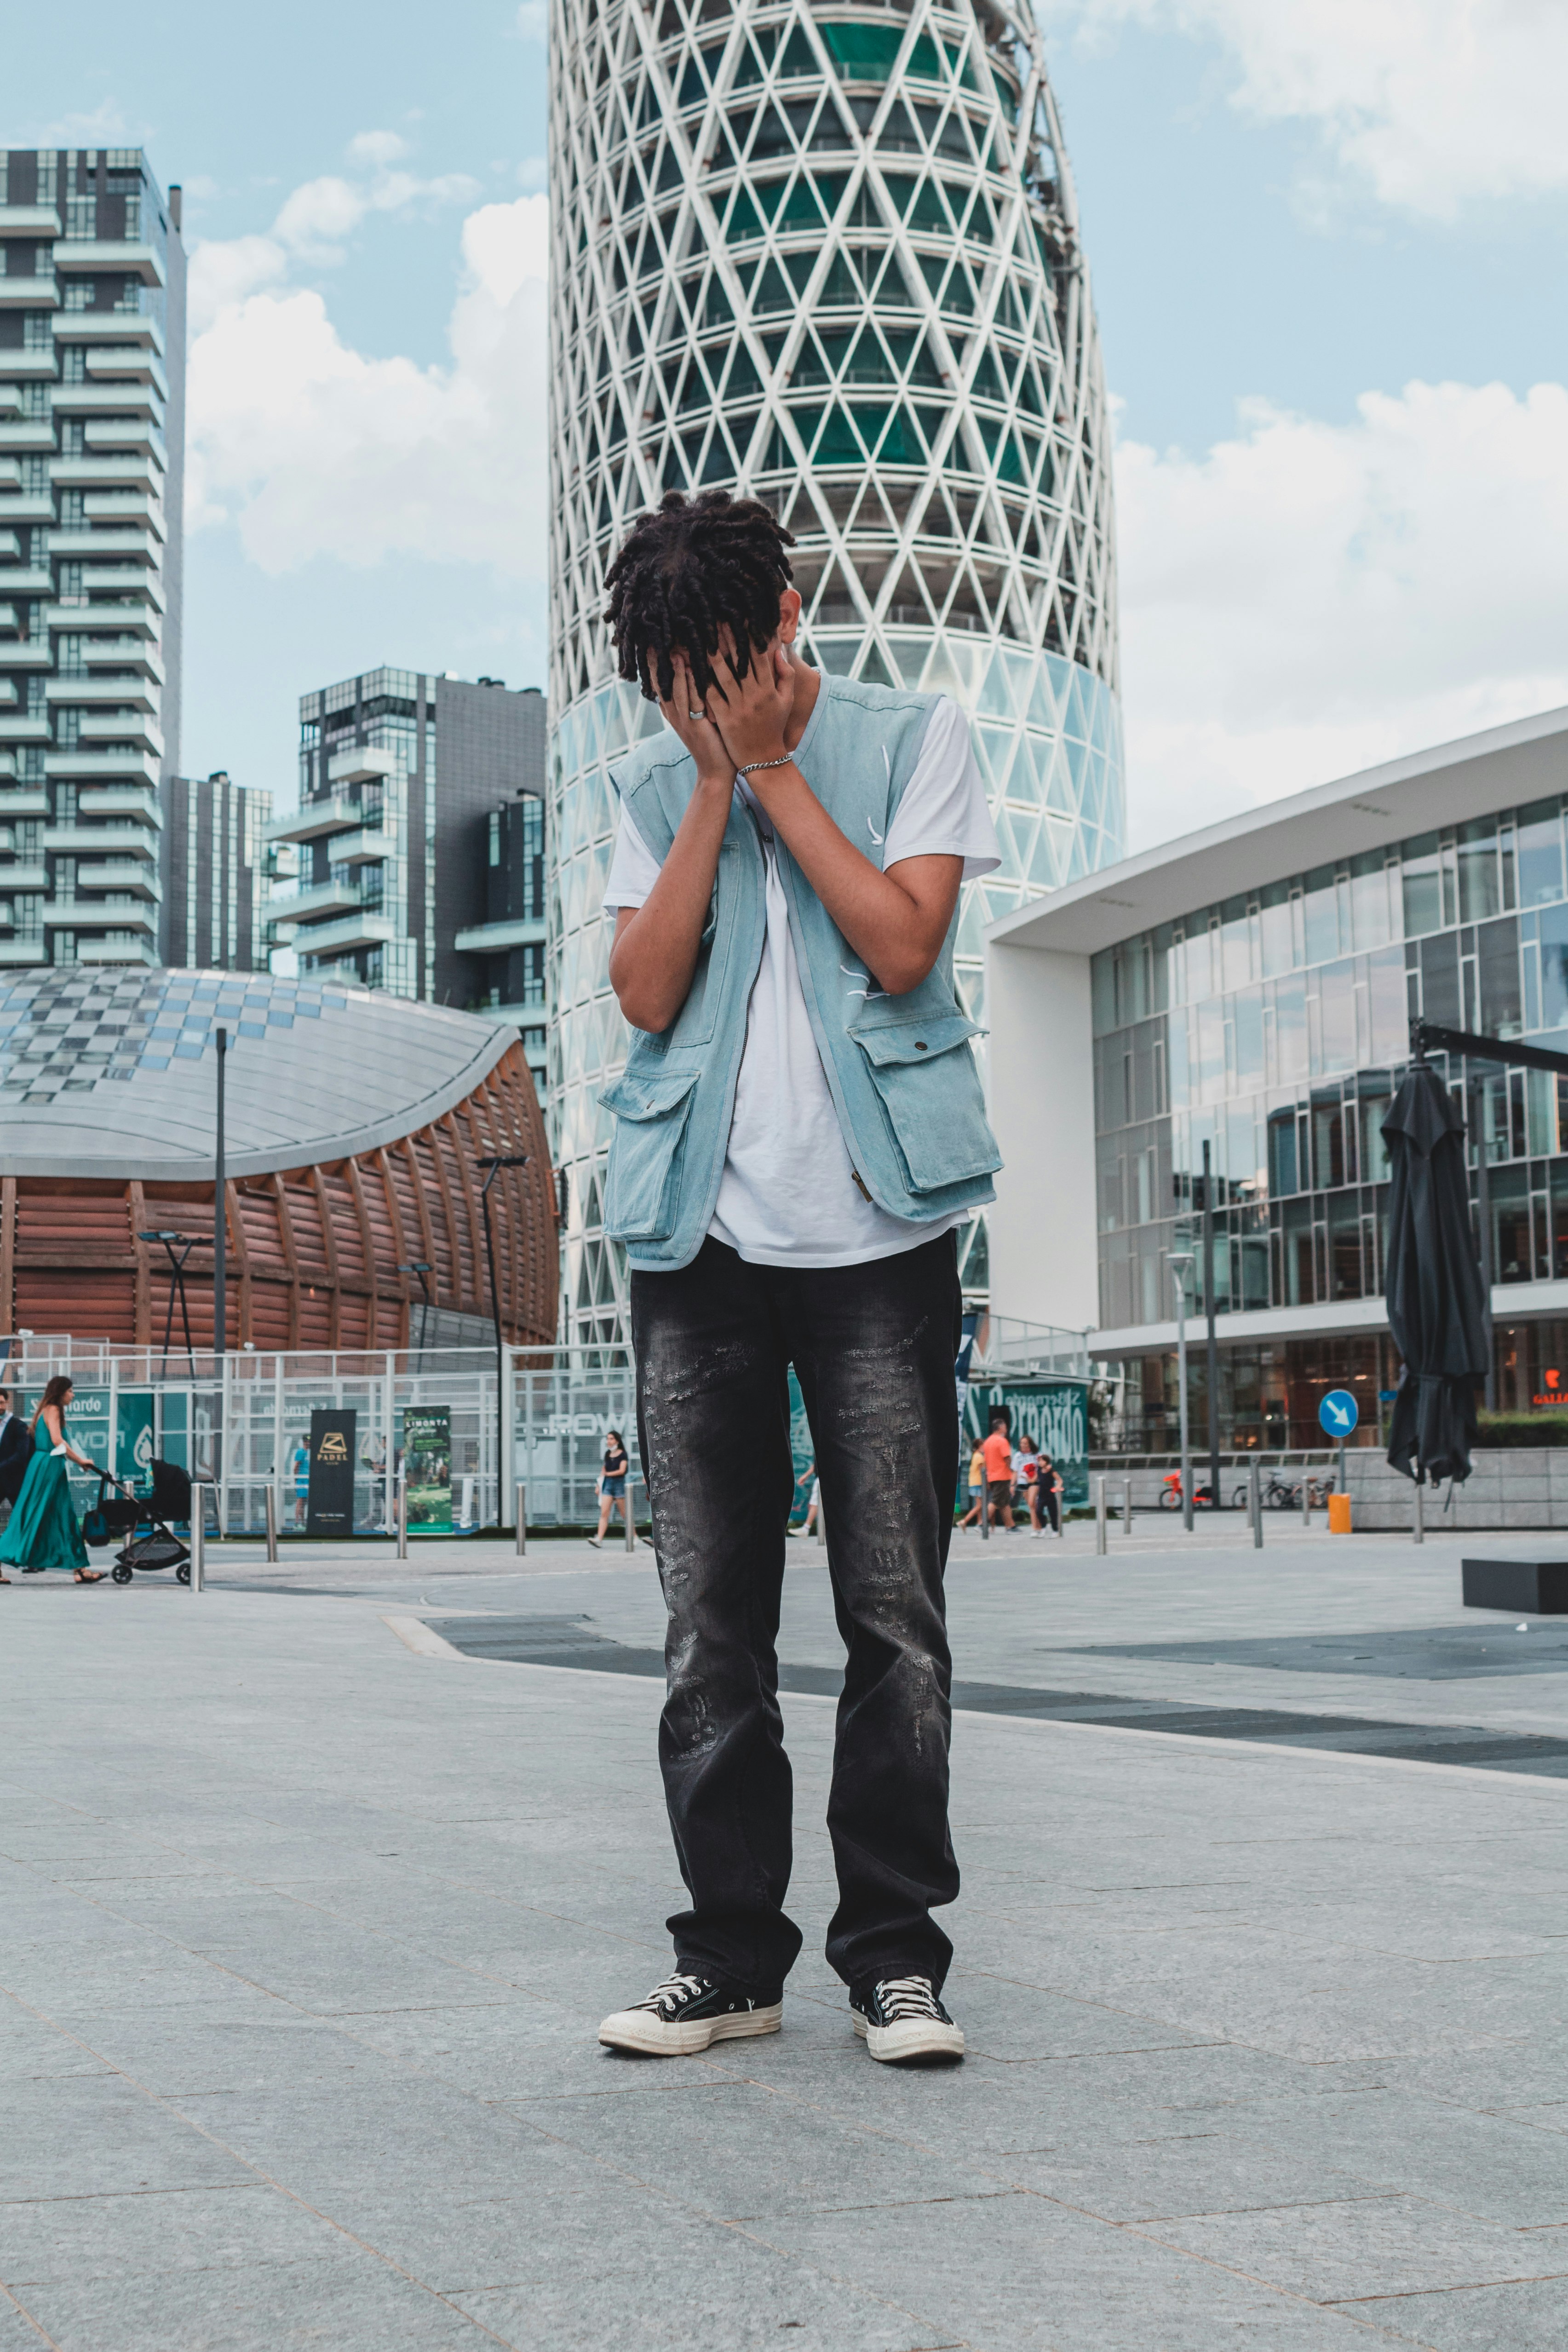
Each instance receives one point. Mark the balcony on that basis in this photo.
(25, 506)
(106, 540)
(118, 432)
(111, 254)
(139, 771)
(20, 800)
(76, 688)
(95, 915)
(126, 620)
(100, 841)
(27, 434)
(122, 874)
(366, 848)
(141, 732)
(315, 818)
(119, 337)
(106, 400)
(491, 939)
(27, 582)
(143, 951)
(119, 800)
(363, 767)
(30, 363)
(26, 653)
(39, 222)
(23, 729)
(110, 471)
(23, 952)
(125, 509)
(364, 929)
(29, 294)
(317, 899)
(24, 877)
(127, 365)
(111, 579)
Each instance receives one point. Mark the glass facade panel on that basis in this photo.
(1286, 1033)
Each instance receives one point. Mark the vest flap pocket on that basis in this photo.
(642, 1189)
(933, 1100)
(884, 1044)
(653, 1096)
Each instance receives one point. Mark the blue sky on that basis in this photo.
(1310, 206)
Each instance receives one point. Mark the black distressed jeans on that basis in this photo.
(873, 1349)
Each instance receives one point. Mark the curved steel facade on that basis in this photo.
(828, 256)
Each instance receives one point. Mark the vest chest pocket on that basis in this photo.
(925, 1075)
(643, 1185)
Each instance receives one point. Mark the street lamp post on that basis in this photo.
(1181, 1265)
(495, 1162)
(422, 1267)
(1212, 1337)
(220, 1210)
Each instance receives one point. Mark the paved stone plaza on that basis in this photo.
(306, 1934)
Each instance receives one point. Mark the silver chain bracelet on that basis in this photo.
(786, 761)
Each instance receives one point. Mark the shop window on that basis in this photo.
(1480, 892)
(1540, 853)
(1422, 886)
(1344, 1246)
(1496, 956)
(1283, 1177)
(1513, 1246)
(1322, 915)
(1300, 1287)
(1328, 1143)
(1370, 912)
(1440, 979)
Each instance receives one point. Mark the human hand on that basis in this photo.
(750, 713)
(686, 715)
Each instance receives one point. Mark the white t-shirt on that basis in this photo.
(787, 1196)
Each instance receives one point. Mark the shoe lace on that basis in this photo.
(902, 1997)
(673, 1995)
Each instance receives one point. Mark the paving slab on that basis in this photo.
(304, 1939)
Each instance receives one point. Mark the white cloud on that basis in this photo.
(377, 147)
(1433, 103)
(1309, 598)
(311, 448)
(532, 21)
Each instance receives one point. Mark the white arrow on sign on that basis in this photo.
(1338, 1414)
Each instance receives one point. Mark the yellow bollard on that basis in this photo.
(1339, 1515)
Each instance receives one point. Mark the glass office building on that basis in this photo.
(1268, 1030)
(828, 255)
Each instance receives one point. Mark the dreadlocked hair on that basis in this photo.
(689, 569)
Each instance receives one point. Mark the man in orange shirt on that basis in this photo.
(999, 1451)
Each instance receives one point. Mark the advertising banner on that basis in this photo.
(330, 1505)
(133, 1441)
(1052, 1414)
(427, 1466)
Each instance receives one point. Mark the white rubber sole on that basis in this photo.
(912, 2037)
(651, 2037)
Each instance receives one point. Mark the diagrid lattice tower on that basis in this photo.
(827, 254)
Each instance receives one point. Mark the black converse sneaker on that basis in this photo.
(685, 2013)
(900, 2018)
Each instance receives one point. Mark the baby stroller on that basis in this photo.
(157, 1548)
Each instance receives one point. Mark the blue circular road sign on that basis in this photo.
(1338, 1413)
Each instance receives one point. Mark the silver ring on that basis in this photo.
(697, 714)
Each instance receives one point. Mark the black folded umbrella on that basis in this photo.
(1438, 1310)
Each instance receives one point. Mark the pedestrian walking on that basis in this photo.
(15, 1449)
(976, 1488)
(814, 1503)
(800, 1129)
(998, 1453)
(613, 1489)
(1051, 1492)
(1025, 1479)
(300, 1466)
(44, 1531)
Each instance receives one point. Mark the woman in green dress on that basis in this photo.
(44, 1531)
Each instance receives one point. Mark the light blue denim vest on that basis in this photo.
(900, 1069)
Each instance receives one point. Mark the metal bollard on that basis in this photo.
(821, 1523)
(1127, 1506)
(271, 1498)
(1306, 1497)
(1419, 1531)
(521, 1519)
(1100, 1512)
(403, 1515)
(631, 1516)
(1187, 1497)
(198, 1537)
(1255, 1503)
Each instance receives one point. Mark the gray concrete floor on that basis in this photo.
(305, 1937)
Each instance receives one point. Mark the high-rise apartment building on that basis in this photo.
(214, 868)
(401, 773)
(92, 333)
(827, 254)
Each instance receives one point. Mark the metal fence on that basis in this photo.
(242, 1422)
